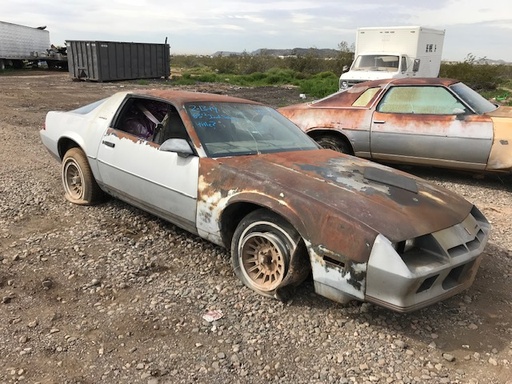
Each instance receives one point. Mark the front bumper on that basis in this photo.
(403, 278)
(437, 266)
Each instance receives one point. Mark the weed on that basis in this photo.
(318, 76)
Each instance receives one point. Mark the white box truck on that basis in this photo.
(394, 52)
(19, 43)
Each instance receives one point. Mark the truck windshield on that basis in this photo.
(376, 63)
(478, 103)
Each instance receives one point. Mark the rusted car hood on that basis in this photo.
(393, 203)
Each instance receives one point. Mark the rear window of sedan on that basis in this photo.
(476, 101)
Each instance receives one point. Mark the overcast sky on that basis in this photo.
(482, 28)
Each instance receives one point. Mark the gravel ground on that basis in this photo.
(110, 294)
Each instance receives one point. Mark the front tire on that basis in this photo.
(334, 143)
(80, 187)
(261, 251)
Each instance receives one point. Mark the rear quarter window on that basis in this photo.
(364, 99)
(89, 107)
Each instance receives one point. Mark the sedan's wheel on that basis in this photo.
(261, 248)
(332, 142)
(78, 180)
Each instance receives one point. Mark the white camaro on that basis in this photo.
(241, 175)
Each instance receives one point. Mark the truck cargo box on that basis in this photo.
(22, 42)
(110, 60)
(19, 42)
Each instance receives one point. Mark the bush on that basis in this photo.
(500, 95)
(316, 76)
(480, 77)
(256, 76)
(320, 85)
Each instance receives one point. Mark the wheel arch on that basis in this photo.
(299, 266)
(317, 133)
(318, 226)
(65, 144)
(80, 185)
(238, 208)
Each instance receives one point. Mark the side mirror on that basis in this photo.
(460, 112)
(345, 68)
(180, 146)
(416, 65)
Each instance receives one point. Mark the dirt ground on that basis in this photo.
(475, 327)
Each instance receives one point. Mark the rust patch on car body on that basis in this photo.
(379, 121)
(310, 196)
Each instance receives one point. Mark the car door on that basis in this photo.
(136, 170)
(429, 125)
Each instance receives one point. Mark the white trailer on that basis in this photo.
(394, 52)
(19, 43)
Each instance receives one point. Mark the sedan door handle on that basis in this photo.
(379, 122)
(108, 144)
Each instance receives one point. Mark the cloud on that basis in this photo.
(201, 26)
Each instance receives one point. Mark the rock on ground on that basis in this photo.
(110, 294)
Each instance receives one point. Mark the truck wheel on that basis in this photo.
(80, 187)
(332, 142)
(260, 251)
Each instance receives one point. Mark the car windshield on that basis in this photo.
(478, 103)
(236, 129)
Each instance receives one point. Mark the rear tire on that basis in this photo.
(80, 187)
(334, 143)
(261, 251)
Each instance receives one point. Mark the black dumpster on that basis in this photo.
(111, 60)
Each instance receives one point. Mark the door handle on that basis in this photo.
(108, 144)
(379, 122)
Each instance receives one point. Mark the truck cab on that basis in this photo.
(376, 66)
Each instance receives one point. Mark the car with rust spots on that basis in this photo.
(239, 174)
(414, 121)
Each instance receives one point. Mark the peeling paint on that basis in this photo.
(347, 280)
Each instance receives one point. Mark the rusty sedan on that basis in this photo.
(435, 122)
(242, 176)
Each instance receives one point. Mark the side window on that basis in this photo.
(420, 100)
(171, 127)
(142, 117)
(365, 97)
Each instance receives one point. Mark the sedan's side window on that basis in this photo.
(420, 100)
